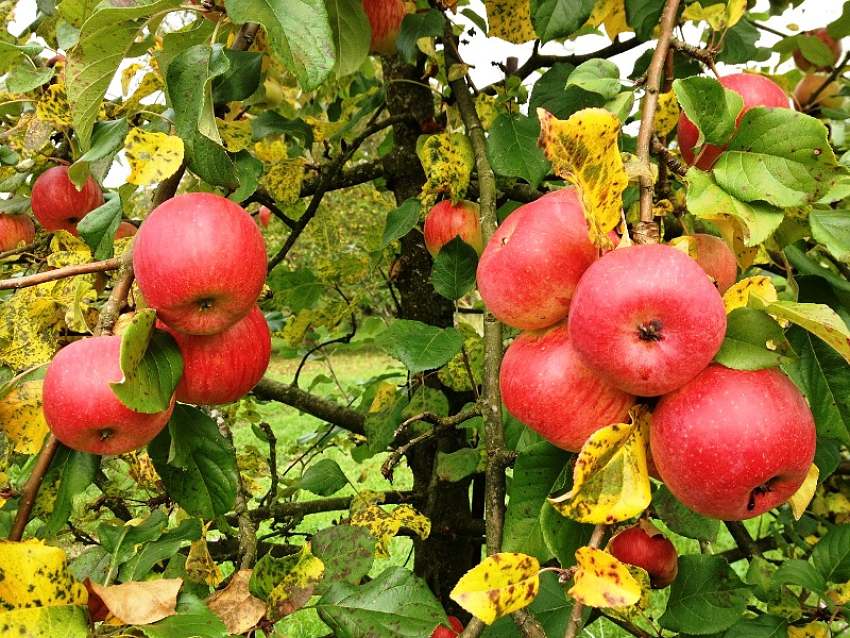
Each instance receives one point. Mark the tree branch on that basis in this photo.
(245, 37)
(574, 625)
(60, 273)
(742, 538)
(829, 80)
(318, 505)
(30, 489)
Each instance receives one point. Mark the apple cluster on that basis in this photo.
(200, 262)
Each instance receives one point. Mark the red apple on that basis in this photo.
(15, 230)
(716, 259)
(385, 17)
(823, 35)
(264, 216)
(223, 367)
(756, 90)
(806, 88)
(445, 221)
(546, 386)
(441, 631)
(732, 444)
(80, 407)
(56, 202)
(533, 262)
(644, 546)
(125, 229)
(200, 261)
(647, 319)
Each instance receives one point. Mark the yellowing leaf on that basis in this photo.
(296, 327)
(128, 74)
(666, 113)
(270, 150)
(735, 10)
(738, 295)
(638, 609)
(510, 20)
(615, 22)
(583, 150)
(839, 594)
(236, 135)
(384, 397)
(811, 630)
(603, 581)
(152, 156)
(53, 106)
(33, 574)
(819, 319)
(44, 622)
(140, 603)
(237, 608)
(200, 566)
(295, 588)
(283, 179)
(151, 83)
(447, 159)
(803, 496)
(67, 250)
(21, 417)
(384, 524)
(499, 585)
(687, 244)
(714, 14)
(610, 479)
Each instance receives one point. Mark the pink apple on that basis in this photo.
(834, 46)
(644, 546)
(200, 261)
(441, 631)
(756, 90)
(533, 262)
(15, 230)
(58, 205)
(716, 259)
(546, 386)
(223, 367)
(445, 221)
(385, 17)
(647, 319)
(264, 216)
(732, 444)
(125, 229)
(80, 407)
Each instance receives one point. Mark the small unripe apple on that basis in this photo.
(834, 46)
(223, 367)
(805, 90)
(442, 631)
(264, 216)
(532, 264)
(56, 202)
(80, 407)
(733, 444)
(200, 261)
(15, 230)
(647, 319)
(546, 386)
(125, 229)
(716, 259)
(644, 546)
(445, 221)
(756, 90)
(385, 17)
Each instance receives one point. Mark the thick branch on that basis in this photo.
(359, 174)
(30, 489)
(742, 538)
(246, 35)
(60, 273)
(318, 505)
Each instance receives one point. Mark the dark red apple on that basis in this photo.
(15, 230)
(385, 17)
(546, 386)
(733, 444)
(80, 407)
(200, 261)
(125, 229)
(832, 44)
(56, 202)
(717, 259)
(644, 546)
(445, 221)
(532, 263)
(223, 367)
(441, 631)
(647, 319)
(264, 216)
(756, 90)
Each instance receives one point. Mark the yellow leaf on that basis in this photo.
(36, 575)
(803, 496)
(53, 106)
(714, 14)
(152, 156)
(28, 328)
(510, 20)
(283, 179)
(687, 244)
(44, 622)
(236, 135)
(738, 295)
(384, 524)
(22, 419)
(487, 108)
(384, 397)
(811, 630)
(447, 159)
(296, 327)
(638, 609)
(127, 76)
(499, 585)
(735, 10)
(151, 83)
(322, 129)
(603, 581)
(4, 483)
(583, 150)
(270, 150)
(67, 250)
(611, 13)
(819, 319)
(286, 583)
(200, 566)
(610, 479)
(666, 113)
(839, 594)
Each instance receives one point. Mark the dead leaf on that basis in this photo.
(140, 603)
(237, 608)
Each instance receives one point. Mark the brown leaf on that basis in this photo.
(237, 608)
(140, 603)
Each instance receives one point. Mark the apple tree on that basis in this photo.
(611, 293)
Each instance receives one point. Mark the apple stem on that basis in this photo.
(30, 489)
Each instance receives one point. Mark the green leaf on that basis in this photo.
(778, 156)
(24, 78)
(324, 478)
(739, 45)
(563, 536)
(68, 621)
(456, 466)
(271, 123)
(708, 200)
(174, 43)
(753, 341)
(549, 93)
(819, 319)
(682, 520)
(193, 620)
(643, 16)
(241, 79)
(598, 76)
(415, 26)
(800, 572)
(98, 228)
(760, 627)
(106, 37)
(706, 597)
(347, 552)
(151, 365)
(712, 108)
(840, 27)
(122, 541)
(831, 555)
(419, 346)
(297, 289)
(512, 148)
(426, 399)
(107, 138)
(196, 463)
(555, 19)
(351, 30)
(815, 50)
(380, 426)
(832, 229)
(160, 550)
(13, 53)
(188, 80)
(299, 35)
(396, 604)
(453, 273)
(248, 170)
(401, 220)
(77, 473)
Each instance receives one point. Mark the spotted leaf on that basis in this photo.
(447, 159)
(21, 417)
(819, 319)
(385, 524)
(603, 581)
(510, 20)
(200, 566)
(235, 135)
(499, 585)
(667, 113)
(286, 584)
(33, 574)
(810, 630)
(739, 294)
(152, 156)
(283, 179)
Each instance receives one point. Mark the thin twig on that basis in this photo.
(271, 495)
(60, 273)
(768, 29)
(346, 338)
(25, 249)
(30, 489)
(673, 164)
(574, 626)
(829, 79)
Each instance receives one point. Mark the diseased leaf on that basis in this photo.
(68, 621)
(153, 157)
(739, 294)
(603, 581)
(200, 566)
(447, 160)
(36, 575)
(499, 585)
(21, 418)
(237, 608)
(347, 553)
(287, 583)
(510, 20)
(384, 524)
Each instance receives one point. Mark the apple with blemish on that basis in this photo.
(15, 230)
(831, 43)
(643, 546)
(58, 204)
(733, 444)
(385, 18)
(446, 220)
(716, 259)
